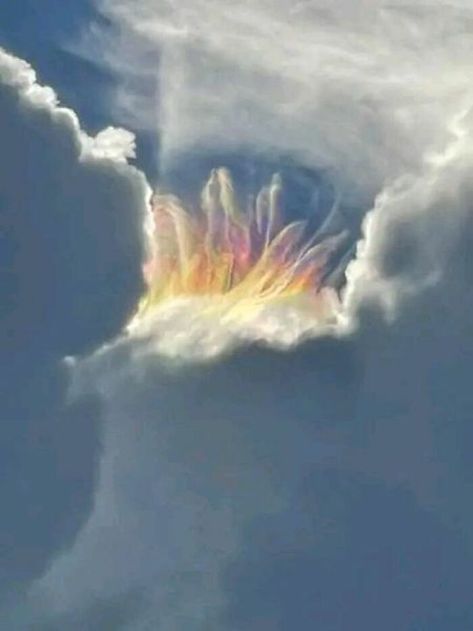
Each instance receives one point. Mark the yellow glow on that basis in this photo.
(243, 259)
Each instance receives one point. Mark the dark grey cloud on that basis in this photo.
(72, 234)
(201, 449)
(348, 553)
(49, 451)
(115, 613)
(269, 490)
(70, 252)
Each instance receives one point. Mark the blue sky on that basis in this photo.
(324, 486)
(49, 35)
(42, 33)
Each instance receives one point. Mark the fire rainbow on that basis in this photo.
(244, 260)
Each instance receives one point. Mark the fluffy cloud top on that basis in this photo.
(73, 213)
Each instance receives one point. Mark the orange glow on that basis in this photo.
(243, 258)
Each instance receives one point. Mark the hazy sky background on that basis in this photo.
(323, 487)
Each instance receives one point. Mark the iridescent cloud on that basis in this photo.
(245, 259)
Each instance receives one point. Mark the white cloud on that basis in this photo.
(113, 144)
(364, 89)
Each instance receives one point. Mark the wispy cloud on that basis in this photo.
(365, 89)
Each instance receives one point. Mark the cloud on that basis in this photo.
(266, 489)
(89, 242)
(282, 489)
(279, 490)
(191, 453)
(349, 553)
(236, 472)
(70, 255)
(347, 88)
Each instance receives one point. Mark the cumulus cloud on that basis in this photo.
(272, 490)
(82, 210)
(328, 484)
(70, 255)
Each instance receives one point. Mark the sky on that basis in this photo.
(235, 331)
